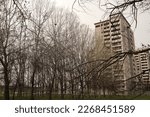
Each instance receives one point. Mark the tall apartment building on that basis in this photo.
(142, 64)
(116, 36)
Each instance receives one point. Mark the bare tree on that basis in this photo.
(11, 27)
(37, 21)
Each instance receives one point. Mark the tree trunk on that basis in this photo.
(51, 85)
(32, 86)
(6, 80)
(62, 89)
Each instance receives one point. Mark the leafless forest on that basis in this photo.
(46, 52)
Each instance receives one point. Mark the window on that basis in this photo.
(106, 27)
(106, 31)
(144, 68)
(143, 59)
(116, 38)
(107, 39)
(107, 23)
(115, 25)
(115, 29)
(115, 21)
(116, 43)
(117, 48)
(97, 26)
(107, 35)
(114, 34)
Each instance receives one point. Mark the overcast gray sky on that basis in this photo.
(93, 14)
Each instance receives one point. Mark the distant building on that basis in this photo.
(115, 36)
(142, 64)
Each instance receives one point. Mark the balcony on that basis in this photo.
(115, 34)
(116, 38)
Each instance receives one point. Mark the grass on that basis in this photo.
(69, 97)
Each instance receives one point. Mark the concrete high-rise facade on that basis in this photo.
(116, 36)
(143, 64)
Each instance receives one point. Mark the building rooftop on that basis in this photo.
(111, 15)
